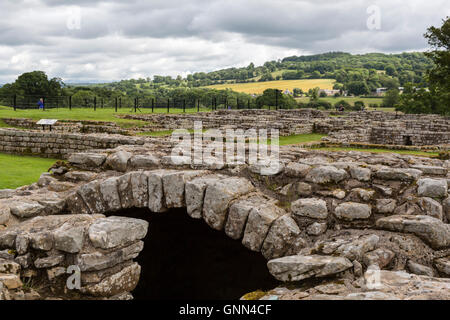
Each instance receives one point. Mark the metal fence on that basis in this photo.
(133, 104)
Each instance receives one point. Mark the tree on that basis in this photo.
(34, 83)
(273, 97)
(313, 94)
(392, 98)
(437, 98)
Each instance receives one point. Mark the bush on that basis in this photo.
(344, 103)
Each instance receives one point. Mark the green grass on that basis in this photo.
(17, 171)
(80, 114)
(300, 138)
(411, 152)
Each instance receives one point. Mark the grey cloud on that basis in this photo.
(175, 36)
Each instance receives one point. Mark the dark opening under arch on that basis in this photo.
(183, 258)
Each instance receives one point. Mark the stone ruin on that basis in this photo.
(372, 127)
(341, 225)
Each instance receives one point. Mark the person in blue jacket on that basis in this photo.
(41, 103)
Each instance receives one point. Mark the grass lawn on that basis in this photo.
(411, 152)
(17, 171)
(300, 138)
(259, 87)
(86, 114)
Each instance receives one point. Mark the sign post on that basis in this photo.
(47, 122)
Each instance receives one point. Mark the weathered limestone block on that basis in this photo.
(218, 197)
(408, 286)
(69, 238)
(174, 187)
(42, 240)
(90, 192)
(5, 214)
(446, 204)
(22, 243)
(55, 272)
(27, 209)
(46, 179)
(419, 269)
(111, 232)
(398, 174)
(195, 193)
(76, 204)
(118, 161)
(326, 174)
(110, 195)
(143, 161)
(381, 257)
(90, 277)
(431, 230)
(238, 215)
(352, 210)
(433, 188)
(296, 170)
(11, 281)
(296, 268)
(353, 248)
(311, 208)
(258, 224)
(139, 189)
(125, 191)
(269, 167)
(125, 280)
(49, 262)
(280, 237)
(156, 202)
(431, 208)
(24, 260)
(6, 193)
(386, 205)
(90, 160)
(99, 261)
(443, 265)
(360, 173)
(85, 176)
(431, 169)
(316, 229)
(363, 194)
(9, 267)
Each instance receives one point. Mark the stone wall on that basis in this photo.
(69, 126)
(334, 215)
(58, 145)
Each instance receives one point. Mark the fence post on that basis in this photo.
(70, 102)
(168, 105)
(95, 103)
(198, 105)
(43, 101)
(116, 104)
(15, 102)
(184, 106)
(135, 104)
(276, 99)
(153, 104)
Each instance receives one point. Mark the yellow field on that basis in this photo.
(259, 87)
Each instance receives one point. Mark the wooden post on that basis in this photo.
(198, 105)
(184, 105)
(15, 102)
(116, 105)
(95, 103)
(168, 105)
(70, 102)
(153, 104)
(135, 104)
(43, 100)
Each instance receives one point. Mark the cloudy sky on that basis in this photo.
(95, 40)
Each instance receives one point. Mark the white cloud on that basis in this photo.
(113, 40)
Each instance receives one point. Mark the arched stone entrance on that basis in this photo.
(183, 258)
